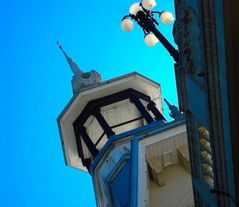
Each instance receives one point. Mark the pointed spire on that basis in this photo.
(174, 112)
(166, 101)
(74, 68)
(80, 79)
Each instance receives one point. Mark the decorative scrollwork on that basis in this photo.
(188, 36)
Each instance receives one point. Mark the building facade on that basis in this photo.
(207, 78)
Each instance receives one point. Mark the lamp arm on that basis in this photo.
(125, 17)
(172, 51)
(156, 12)
(140, 23)
(146, 23)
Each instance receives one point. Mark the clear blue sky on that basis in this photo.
(35, 86)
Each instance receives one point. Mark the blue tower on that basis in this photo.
(115, 131)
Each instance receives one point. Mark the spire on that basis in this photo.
(174, 112)
(80, 79)
(74, 68)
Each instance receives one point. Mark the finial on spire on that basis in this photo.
(174, 112)
(80, 79)
(62, 49)
(75, 69)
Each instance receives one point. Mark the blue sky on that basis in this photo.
(35, 86)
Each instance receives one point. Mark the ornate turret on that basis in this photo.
(174, 112)
(116, 131)
(80, 79)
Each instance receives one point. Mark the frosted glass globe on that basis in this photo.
(150, 40)
(166, 17)
(127, 25)
(135, 8)
(149, 4)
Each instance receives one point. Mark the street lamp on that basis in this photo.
(142, 14)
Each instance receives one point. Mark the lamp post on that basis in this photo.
(142, 14)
